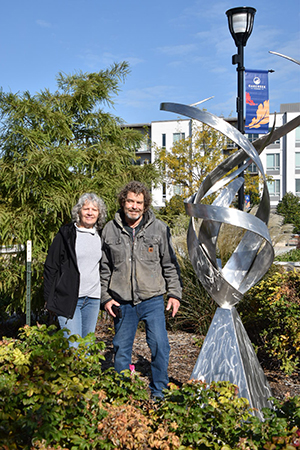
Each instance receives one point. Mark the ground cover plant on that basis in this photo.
(291, 256)
(54, 397)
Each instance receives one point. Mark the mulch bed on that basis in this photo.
(183, 356)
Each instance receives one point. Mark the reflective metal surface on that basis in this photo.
(227, 353)
(254, 254)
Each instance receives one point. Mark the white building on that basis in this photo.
(164, 134)
(281, 159)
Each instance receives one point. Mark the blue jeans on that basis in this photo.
(84, 320)
(152, 313)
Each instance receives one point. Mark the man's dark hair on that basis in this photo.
(137, 188)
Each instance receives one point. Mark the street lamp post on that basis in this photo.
(240, 22)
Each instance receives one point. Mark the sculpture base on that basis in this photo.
(227, 354)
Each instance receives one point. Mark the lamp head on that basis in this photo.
(240, 22)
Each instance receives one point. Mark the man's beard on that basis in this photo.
(136, 217)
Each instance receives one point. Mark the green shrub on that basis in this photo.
(172, 210)
(270, 312)
(50, 391)
(201, 416)
(214, 417)
(56, 397)
(289, 208)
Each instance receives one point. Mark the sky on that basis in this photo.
(178, 51)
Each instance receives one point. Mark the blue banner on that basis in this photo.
(247, 201)
(257, 101)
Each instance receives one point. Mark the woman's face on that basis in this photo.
(88, 215)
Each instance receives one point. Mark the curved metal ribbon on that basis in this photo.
(254, 254)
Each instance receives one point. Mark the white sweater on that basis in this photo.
(89, 253)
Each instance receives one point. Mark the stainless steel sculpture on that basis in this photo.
(227, 353)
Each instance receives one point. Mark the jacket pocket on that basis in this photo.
(150, 249)
(117, 250)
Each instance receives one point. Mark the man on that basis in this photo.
(138, 266)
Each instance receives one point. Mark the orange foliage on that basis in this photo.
(262, 115)
(127, 428)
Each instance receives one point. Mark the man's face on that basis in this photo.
(133, 207)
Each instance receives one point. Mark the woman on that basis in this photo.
(71, 271)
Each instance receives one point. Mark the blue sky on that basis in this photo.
(178, 51)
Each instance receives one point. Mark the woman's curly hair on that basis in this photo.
(97, 201)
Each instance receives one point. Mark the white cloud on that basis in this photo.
(94, 60)
(177, 50)
(133, 61)
(138, 98)
(43, 23)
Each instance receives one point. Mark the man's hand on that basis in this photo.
(174, 304)
(108, 306)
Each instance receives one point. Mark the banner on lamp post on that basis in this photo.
(257, 101)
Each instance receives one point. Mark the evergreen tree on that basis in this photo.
(289, 208)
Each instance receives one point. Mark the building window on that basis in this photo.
(297, 187)
(297, 160)
(230, 144)
(143, 147)
(274, 188)
(163, 140)
(178, 136)
(164, 191)
(252, 168)
(273, 161)
(298, 135)
(252, 136)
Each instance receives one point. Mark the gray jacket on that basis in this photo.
(139, 270)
